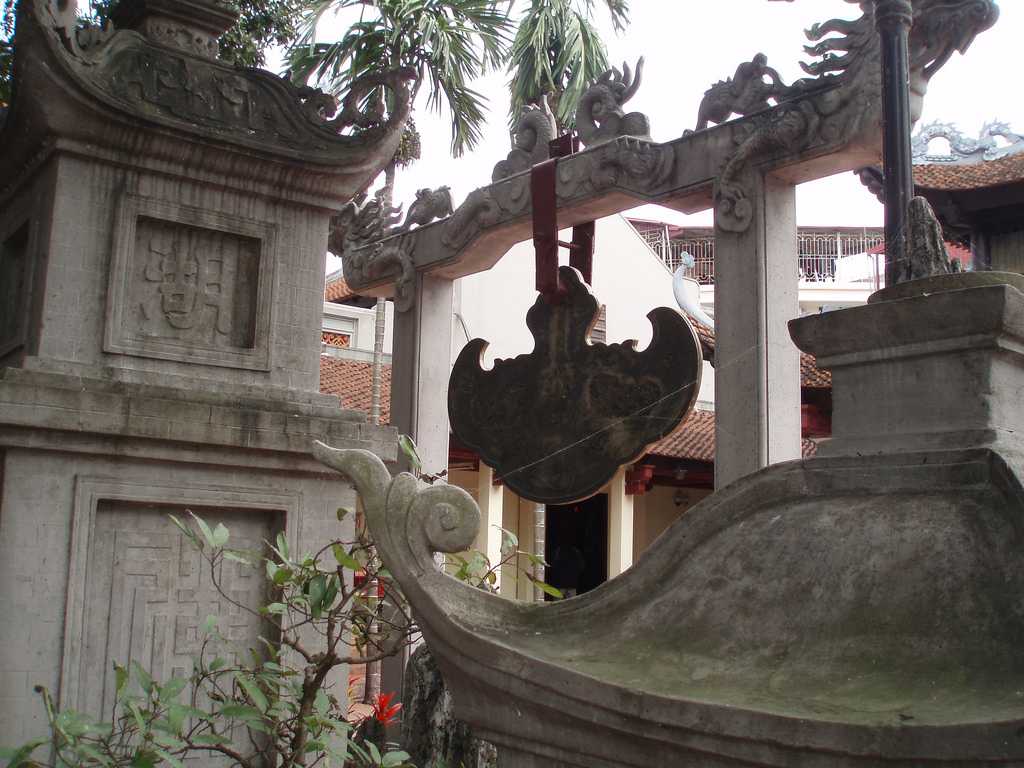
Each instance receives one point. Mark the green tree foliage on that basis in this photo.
(447, 42)
(557, 52)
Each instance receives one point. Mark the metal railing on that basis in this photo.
(818, 251)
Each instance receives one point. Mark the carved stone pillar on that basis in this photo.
(421, 364)
(757, 384)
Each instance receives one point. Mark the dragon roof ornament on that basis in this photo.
(964, 149)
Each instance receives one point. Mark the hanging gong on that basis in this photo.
(556, 424)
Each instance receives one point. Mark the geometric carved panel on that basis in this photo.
(194, 285)
(147, 593)
(190, 284)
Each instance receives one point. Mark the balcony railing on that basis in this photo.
(818, 252)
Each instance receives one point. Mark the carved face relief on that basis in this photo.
(178, 291)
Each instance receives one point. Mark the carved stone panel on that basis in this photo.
(190, 285)
(148, 593)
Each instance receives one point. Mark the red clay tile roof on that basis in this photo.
(352, 381)
(694, 439)
(811, 376)
(952, 176)
(337, 289)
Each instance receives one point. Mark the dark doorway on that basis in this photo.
(576, 544)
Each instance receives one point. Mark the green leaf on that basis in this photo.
(408, 447)
(174, 762)
(186, 530)
(277, 609)
(509, 541)
(144, 758)
(120, 680)
(144, 678)
(282, 545)
(209, 625)
(242, 712)
(321, 703)
(237, 556)
(172, 689)
(136, 715)
(343, 512)
(345, 560)
(255, 694)
(219, 537)
(315, 590)
(203, 528)
(217, 663)
(19, 756)
(394, 759)
(374, 752)
(555, 592)
(168, 741)
(282, 575)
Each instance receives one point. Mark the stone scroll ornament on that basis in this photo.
(556, 424)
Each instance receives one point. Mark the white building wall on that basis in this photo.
(629, 279)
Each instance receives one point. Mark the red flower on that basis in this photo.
(383, 710)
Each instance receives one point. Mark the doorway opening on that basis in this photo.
(576, 545)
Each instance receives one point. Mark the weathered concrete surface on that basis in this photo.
(940, 370)
(163, 242)
(850, 610)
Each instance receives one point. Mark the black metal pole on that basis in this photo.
(893, 19)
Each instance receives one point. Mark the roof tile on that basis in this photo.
(951, 176)
(352, 381)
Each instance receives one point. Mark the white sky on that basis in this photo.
(690, 44)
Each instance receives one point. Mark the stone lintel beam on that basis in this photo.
(682, 174)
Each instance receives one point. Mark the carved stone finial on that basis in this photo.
(534, 128)
(926, 248)
(191, 25)
(600, 117)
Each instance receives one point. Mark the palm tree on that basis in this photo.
(447, 42)
(557, 53)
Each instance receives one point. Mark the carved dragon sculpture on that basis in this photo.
(600, 117)
(962, 147)
(841, 101)
(534, 129)
(430, 204)
(745, 93)
(355, 234)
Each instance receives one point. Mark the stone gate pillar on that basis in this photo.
(163, 223)
(757, 367)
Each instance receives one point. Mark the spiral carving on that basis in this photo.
(444, 518)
